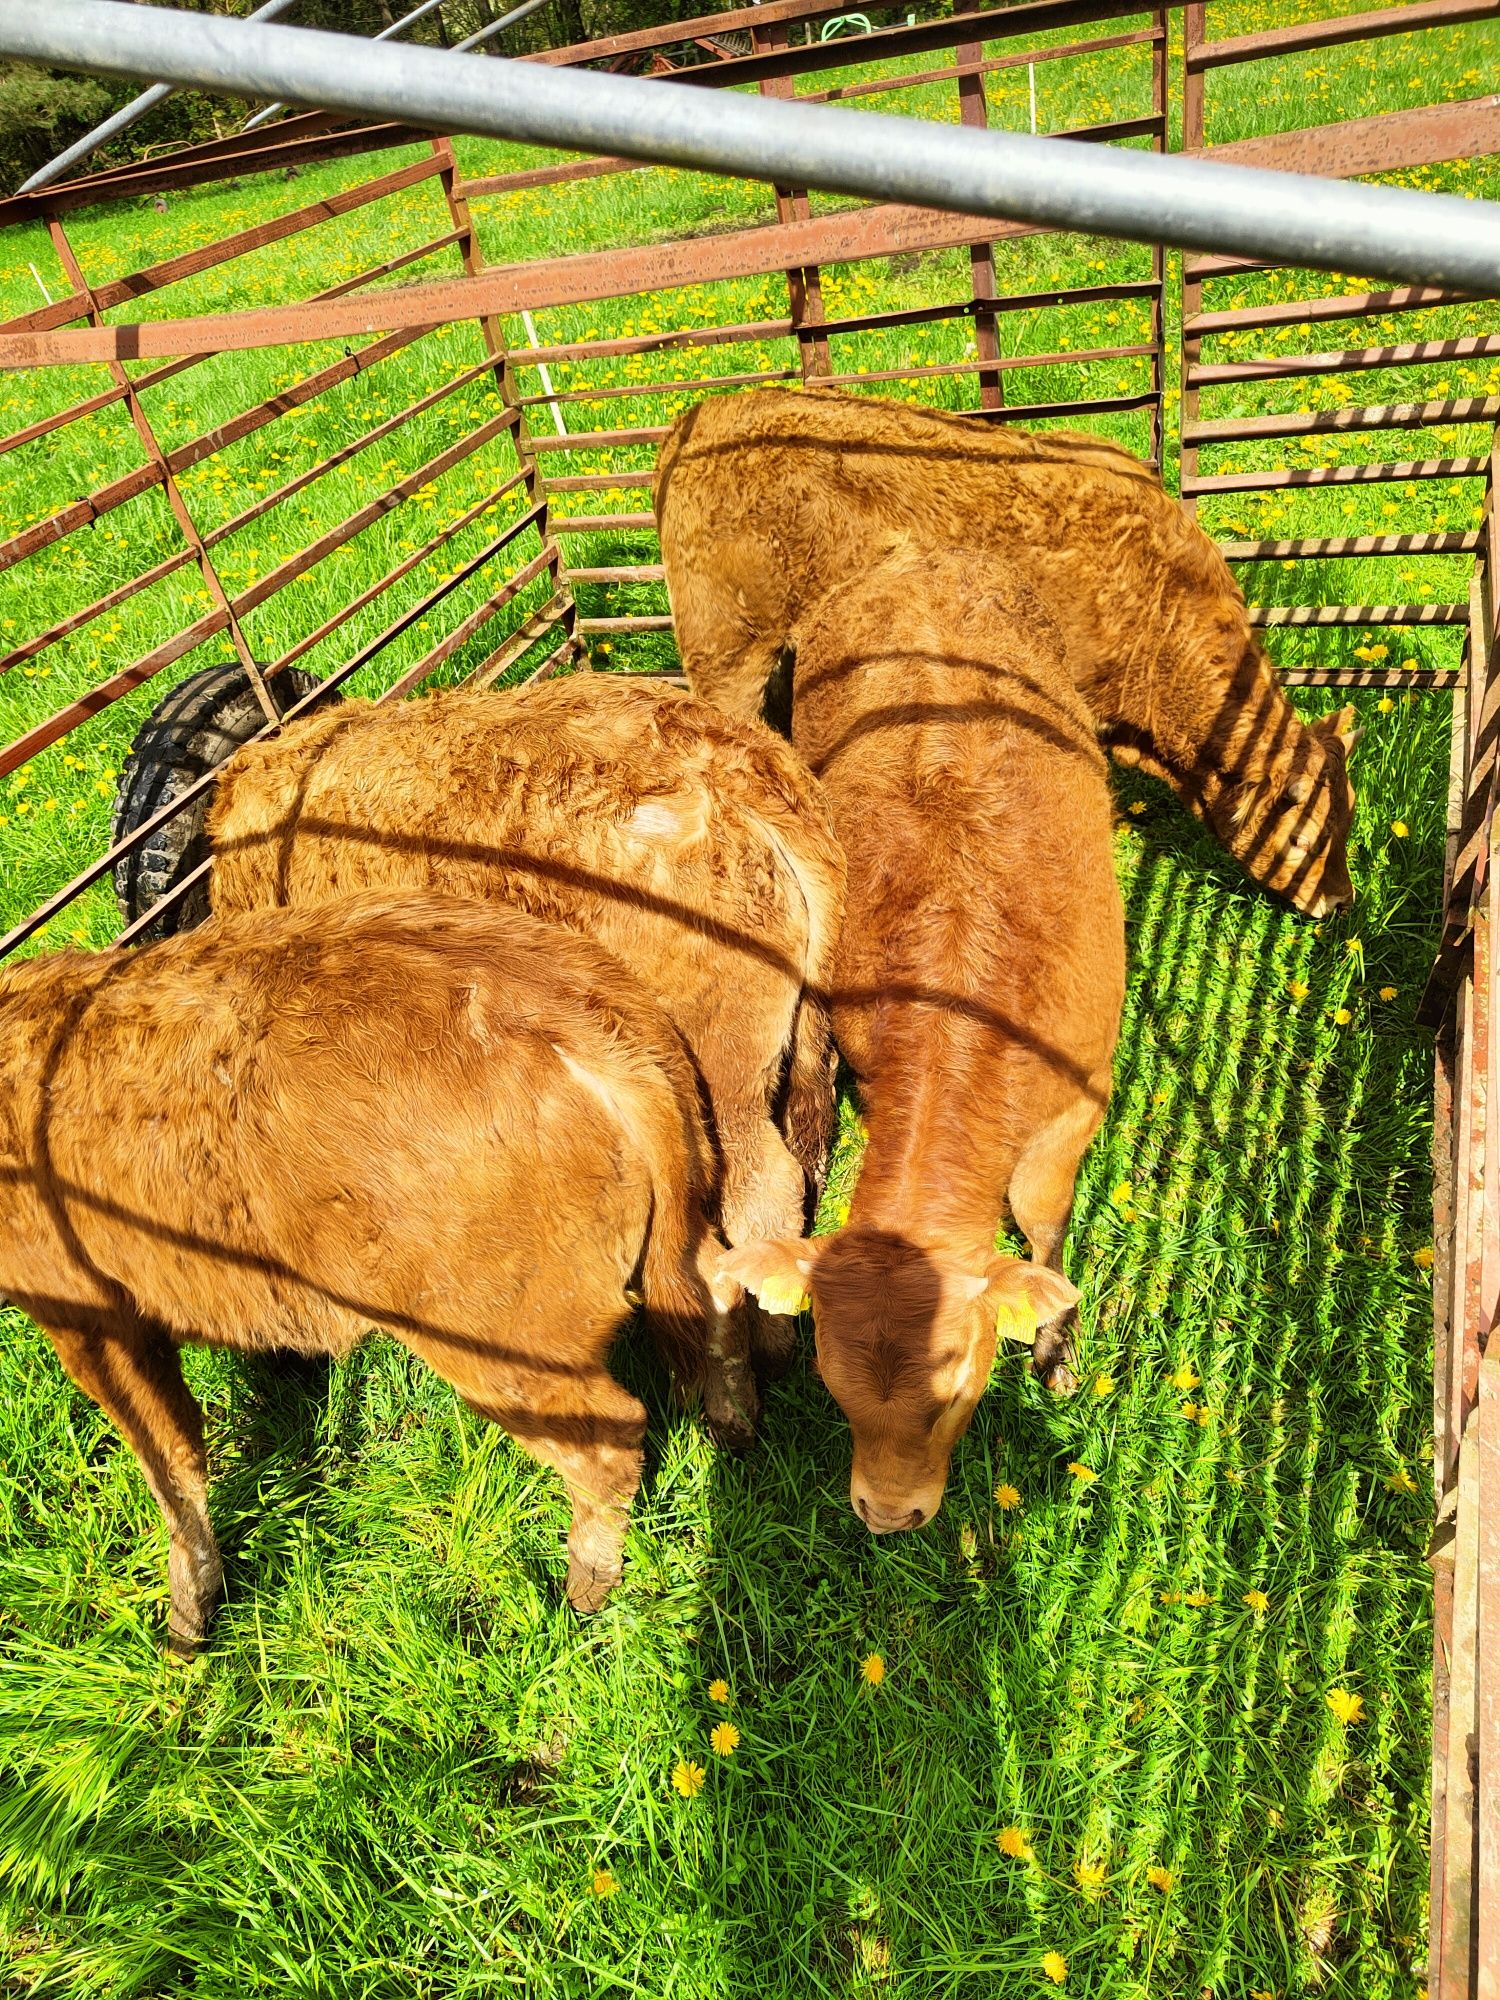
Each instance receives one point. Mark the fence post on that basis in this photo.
(804, 286)
(973, 109)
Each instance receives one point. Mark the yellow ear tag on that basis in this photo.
(783, 1295)
(1015, 1322)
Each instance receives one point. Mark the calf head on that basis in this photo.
(1290, 827)
(905, 1340)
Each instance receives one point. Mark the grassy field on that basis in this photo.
(1149, 1714)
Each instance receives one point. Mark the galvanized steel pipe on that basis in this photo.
(1391, 233)
(127, 115)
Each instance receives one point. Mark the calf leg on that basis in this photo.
(1041, 1200)
(132, 1371)
(576, 1419)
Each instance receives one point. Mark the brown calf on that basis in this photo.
(768, 500)
(411, 1112)
(976, 993)
(695, 848)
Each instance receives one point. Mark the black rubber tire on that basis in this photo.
(194, 729)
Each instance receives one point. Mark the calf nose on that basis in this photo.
(886, 1520)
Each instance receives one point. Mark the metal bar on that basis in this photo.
(603, 391)
(122, 120)
(1278, 367)
(641, 622)
(1459, 542)
(602, 524)
(1436, 680)
(520, 642)
(973, 111)
(973, 66)
(1338, 33)
(1369, 417)
(1374, 145)
(1306, 312)
(997, 364)
(602, 440)
(326, 136)
(845, 237)
(1336, 475)
(1358, 614)
(1393, 233)
(474, 622)
(269, 111)
(804, 283)
(639, 573)
(558, 176)
(600, 482)
(741, 334)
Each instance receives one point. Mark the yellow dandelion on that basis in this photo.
(1400, 828)
(1298, 988)
(1184, 1378)
(718, 1691)
(687, 1778)
(1408, 665)
(1121, 1195)
(1160, 1878)
(1257, 1600)
(872, 1670)
(1082, 1473)
(1056, 1967)
(1170, 1596)
(1423, 1258)
(1385, 704)
(1342, 1017)
(604, 1884)
(1010, 1840)
(1198, 1598)
(1137, 806)
(1389, 992)
(1262, 1993)
(725, 1739)
(1006, 1498)
(1104, 1385)
(1346, 1707)
(1190, 1412)
(1401, 1481)
(1089, 1875)
(1205, 1415)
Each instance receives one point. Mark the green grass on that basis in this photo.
(402, 1761)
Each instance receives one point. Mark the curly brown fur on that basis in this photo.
(694, 847)
(410, 1112)
(768, 500)
(976, 992)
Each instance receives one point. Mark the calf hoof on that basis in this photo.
(588, 1588)
(773, 1343)
(1052, 1357)
(182, 1648)
(732, 1428)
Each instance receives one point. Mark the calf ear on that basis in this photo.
(1025, 1296)
(773, 1272)
(1342, 723)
